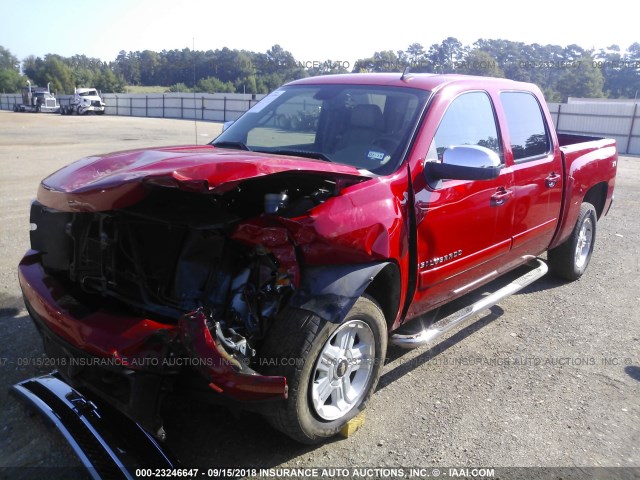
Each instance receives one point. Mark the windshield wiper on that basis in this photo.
(301, 153)
(228, 144)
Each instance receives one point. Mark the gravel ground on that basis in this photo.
(550, 377)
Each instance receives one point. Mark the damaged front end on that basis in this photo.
(179, 278)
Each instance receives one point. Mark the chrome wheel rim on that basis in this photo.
(583, 246)
(343, 369)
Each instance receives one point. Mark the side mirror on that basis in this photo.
(226, 125)
(464, 162)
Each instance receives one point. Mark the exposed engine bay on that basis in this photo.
(176, 251)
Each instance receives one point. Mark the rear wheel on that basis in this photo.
(570, 259)
(331, 369)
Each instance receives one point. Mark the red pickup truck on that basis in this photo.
(273, 267)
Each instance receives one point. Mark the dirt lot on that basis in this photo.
(550, 377)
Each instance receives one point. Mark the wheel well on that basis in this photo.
(597, 196)
(385, 289)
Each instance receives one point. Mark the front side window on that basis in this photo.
(527, 131)
(366, 126)
(469, 120)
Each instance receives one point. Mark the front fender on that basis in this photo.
(330, 291)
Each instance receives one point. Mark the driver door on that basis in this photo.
(463, 226)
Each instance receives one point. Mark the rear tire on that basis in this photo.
(331, 369)
(570, 259)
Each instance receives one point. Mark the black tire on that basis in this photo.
(99, 112)
(570, 259)
(293, 349)
(296, 123)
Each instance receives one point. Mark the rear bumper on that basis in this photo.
(85, 339)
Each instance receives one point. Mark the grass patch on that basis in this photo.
(145, 89)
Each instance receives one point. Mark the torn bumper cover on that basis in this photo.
(137, 344)
(226, 374)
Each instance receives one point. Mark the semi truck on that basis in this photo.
(84, 100)
(37, 99)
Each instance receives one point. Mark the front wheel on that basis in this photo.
(331, 369)
(570, 259)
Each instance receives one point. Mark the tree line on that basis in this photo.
(559, 71)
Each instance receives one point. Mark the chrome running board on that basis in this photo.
(107, 443)
(432, 332)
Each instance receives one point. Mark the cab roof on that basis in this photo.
(423, 81)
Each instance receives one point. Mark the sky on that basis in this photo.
(333, 30)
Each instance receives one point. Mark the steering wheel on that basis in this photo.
(387, 142)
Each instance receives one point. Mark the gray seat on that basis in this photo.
(366, 124)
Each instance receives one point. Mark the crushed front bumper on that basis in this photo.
(130, 360)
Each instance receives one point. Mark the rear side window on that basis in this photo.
(526, 125)
(469, 120)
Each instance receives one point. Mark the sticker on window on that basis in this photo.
(373, 155)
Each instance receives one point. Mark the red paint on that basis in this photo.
(117, 180)
(460, 225)
(128, 341)
(223, 371)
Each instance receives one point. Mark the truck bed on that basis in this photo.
(585, 158)
(571, 143)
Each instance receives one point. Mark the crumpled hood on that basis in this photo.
(117, 180)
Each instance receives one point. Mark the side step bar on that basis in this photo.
(108, 444)
(413, 340)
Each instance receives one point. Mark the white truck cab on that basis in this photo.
(85, 100)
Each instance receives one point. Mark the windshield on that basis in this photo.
(88, 93)
(366, 126)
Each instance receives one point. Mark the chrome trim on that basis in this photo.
(475, 282)
(539, 269)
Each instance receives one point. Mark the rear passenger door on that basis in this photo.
(537, 173)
